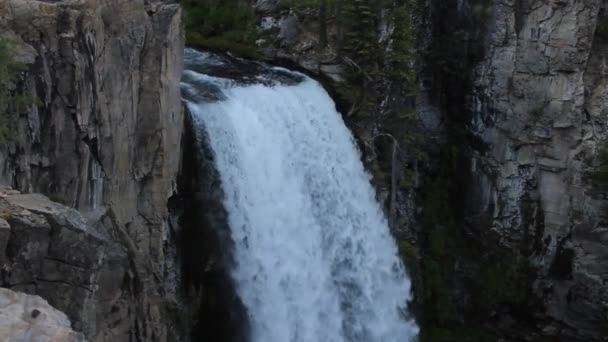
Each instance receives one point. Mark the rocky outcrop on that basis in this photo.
(30, 318)
(512, 97)
(538, 109)
(50, 250)
(518, 92)
(293, 35)
(102, 136)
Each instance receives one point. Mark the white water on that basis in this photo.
(315, 261)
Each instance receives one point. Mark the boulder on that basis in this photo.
(28, 318)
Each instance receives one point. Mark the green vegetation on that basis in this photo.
(10, 100)
(402, 53)
(495, 278)
(361, 33)
(385, 67)
(221, 24)
(390, 63)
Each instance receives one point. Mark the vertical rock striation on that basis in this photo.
(539, 110)
(516, 93)
(103, 137)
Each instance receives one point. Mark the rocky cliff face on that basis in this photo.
(103, 137)
(512, 97)
(50, 250)
(539, 106)
(511, 105)
(294, 36)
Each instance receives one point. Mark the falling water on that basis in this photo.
(314, 257)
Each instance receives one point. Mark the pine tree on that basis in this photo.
(222, 24)
(360, 37)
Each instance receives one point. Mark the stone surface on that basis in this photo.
(287, 33)
(49, 250)
(537, 103)
(540, 101)
(27, 318)
(103, 138)
(270, 6)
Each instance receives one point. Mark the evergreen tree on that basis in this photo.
(360, 37)
(223, 24)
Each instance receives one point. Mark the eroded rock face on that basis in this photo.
(26, 318)
(538, 103)
(287, 34)
(48, 249)
(104, 138)
(539, 110)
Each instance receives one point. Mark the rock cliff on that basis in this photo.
(539, 112)
(504, 204)
(512, 101)
(50, 250)
(102, 136)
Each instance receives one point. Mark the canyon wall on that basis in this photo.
(504, 228)
(494, 190)
(538, 107)
(101, 135)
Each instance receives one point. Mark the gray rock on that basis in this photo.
(104, 137)
(544, 82)
(27, 318)
(270, 6)
(288, 29)
(287, 33)
(50, 251)
(333, 71)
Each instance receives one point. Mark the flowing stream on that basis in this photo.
(314, 257)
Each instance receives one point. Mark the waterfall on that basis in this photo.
(314, 257)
